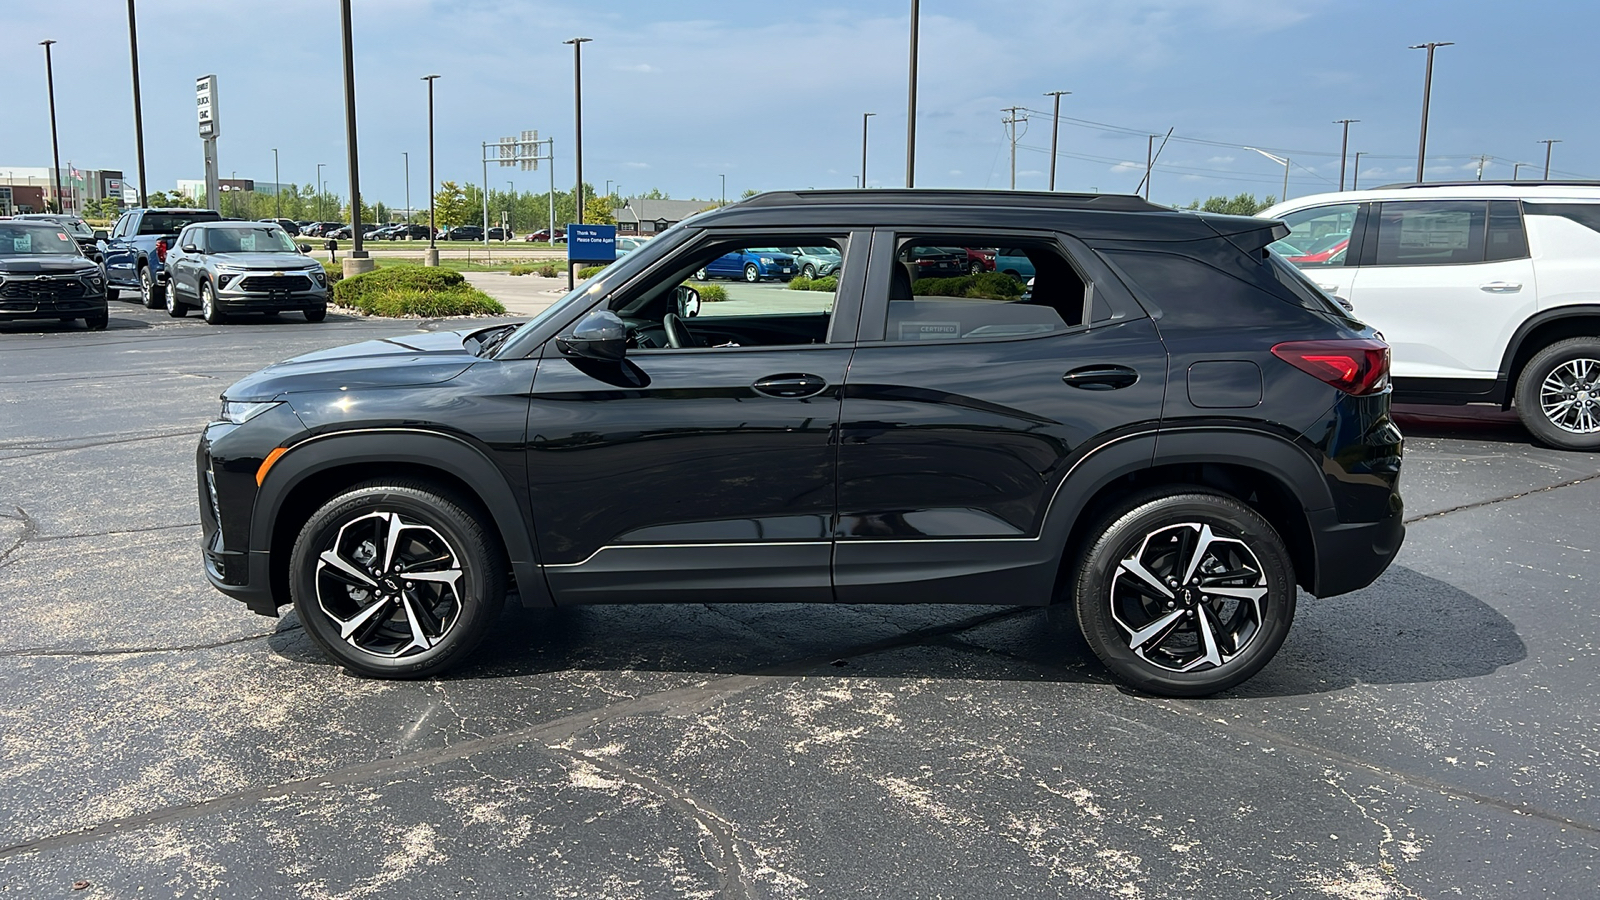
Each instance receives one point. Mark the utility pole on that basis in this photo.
(320, 192)
(1011, 121)
(407, 157)
(724, 189)
(1548, 144)
(356, 262)
(1355, 173)
(1427, 91)
(1482, 161)
(1055, 134)
(911, 104)
(1344, 147)
(431, 257)
(277, 189)
(1149, 163)
(864, 117)
(577, 108)
(138, 112)
(55, 147)
(1515, 168)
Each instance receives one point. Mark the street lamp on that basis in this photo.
(407, 158)
(864, 117)
(319, 189)
(1547, 145)
(724, 189)
(1055, 134)
(1515, 168)
(55, 148)
(1285, 162)
(1355, 173)
(277, 189)
(1427, 91)
(577, 110)
(356, 262)
(1344, 147)
(138, 113)
(911, 105)
(431, 258)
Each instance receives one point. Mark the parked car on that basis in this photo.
(288, 225)
(1175, 485)
(321, 229)
(345, 232)
(462, 233)
(75, 227)
(627, 243)
(1486, 291)
(1014, 262)
(44, 274)
(500, 234)
(383, 232)
(411, 232)
(225, 268)
(815, 262)
(543, 236)
(135, 252)
(750, 264)
(937, 262)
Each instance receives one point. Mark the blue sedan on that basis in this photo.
(753, 264)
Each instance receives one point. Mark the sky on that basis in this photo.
(679, 92)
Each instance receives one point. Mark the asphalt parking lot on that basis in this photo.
(1431, 736)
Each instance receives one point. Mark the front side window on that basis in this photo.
(1431, 233)
(933, 297)
(1318, 237)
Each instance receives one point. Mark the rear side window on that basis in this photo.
(1431, 233)
(1507, 238)
(956, 287)
(1193, 294)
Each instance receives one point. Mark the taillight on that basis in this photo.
(161, 250)
(1357, 367)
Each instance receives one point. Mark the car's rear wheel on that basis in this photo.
(397, 579)
(175, 307)
(751, 273)
(1185, 594)
(97, 322)
(1558, 394)
(151, 293)
(210, 309)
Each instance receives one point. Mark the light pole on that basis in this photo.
(138, 112)
(608, 187)
(406, 157)
(724, 189)
(864, 117)
(356, 261)
(1055, 134)
(911, 104)
(1285, 162)
(430, 258)
(277, 189)
(1427, 91)
(1344, 147)
(318, 187)
(1515, 168)
(1547, 145)
(1355, 173)
(577, 110)
(55, 148)
(511, 206)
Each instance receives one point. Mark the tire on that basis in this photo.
(751, 273)
(97, 322)
(700, 275)
(151, 293)
(1558, 394)
(316, 314)
(809, 271)
(976, 268)
(1184, 626)
(337, 576)
(112, 294)
(175, 307)
(210, 309)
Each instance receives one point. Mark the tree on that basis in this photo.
(1241, 205)
(450, 205)
(748, 193)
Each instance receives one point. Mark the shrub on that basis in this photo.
(523, 270)
(588, 272)
(829, 284)
(988, 286)
(335, 271)
(548, 270)
(710, 293)
(414, 291)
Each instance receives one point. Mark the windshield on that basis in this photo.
(819, 251)
(19, 239)
(74, 227)
(265, 239)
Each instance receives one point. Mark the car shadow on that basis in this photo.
(1406, 628)
(1473, 423)
(56, 326)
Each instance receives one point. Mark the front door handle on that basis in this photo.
(790, 387)
(1501, 287)
(1101, 378)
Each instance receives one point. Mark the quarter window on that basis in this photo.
(1507, 238)
(964, 288)
(1319, 237)
(1431, 233)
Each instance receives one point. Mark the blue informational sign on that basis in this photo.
(591, 243)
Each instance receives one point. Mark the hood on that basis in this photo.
(273, 261)
(392, 362)
(38, 264)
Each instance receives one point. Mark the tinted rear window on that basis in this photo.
(172, 223)
(1585, 214)
(1193, 293)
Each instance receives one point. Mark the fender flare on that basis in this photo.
(1543, 317)
(432, 449)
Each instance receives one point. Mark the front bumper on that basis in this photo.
(55, 299)
(259, 292)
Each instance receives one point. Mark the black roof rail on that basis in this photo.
(1524, 182)
(944, 197)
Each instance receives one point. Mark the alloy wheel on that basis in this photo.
(1570, 396)
(391, 585)
(752, 274)
(1189, 597)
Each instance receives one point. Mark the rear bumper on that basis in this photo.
(1351, 555)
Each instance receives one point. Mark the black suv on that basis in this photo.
(44, 274)
(1170, 429)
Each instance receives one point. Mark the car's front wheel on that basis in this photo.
(175, 307)
(1185, 593)
(976, 268)
(210, 309)
(700, 275)
(809, 271)
(751, 273)
(316, 313)
(1558, 394)
(397, 579)
(97, 322)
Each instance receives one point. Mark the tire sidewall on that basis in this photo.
(1120, 535)
(482, 583)
(1531, 411)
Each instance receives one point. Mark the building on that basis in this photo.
(33, 188)
(640, 216)
(195, 189)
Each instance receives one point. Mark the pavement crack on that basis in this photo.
(114, 531)
(1501, 499)
(30, 531)
(24, 449)
(134, 651)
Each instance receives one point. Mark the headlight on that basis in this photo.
(241, 411)
(766, 260)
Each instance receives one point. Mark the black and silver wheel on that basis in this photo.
(976, 268)
(175, 307)
(700, 275)
(751, 273)
(316, 313)
(1185, 594)
(150, 293)
(210, 309)
(808, 271)
(1558, 394)
(396, 580)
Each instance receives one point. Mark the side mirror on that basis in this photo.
(303, 248)
(599, 335)
(190, 248)
(101, 236)
(688, 300)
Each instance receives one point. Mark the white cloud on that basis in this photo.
(637, 165)
(955, 172)
(1123, 168)
(1220, 160)
(637, 67)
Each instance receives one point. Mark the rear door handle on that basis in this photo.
(1501, 287)
(790, 386)
(1101, 378)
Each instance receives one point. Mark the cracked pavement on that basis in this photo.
(1430, 736)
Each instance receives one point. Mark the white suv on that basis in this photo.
(1488, 292)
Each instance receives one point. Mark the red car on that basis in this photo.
(543, 235)
(1328, 250)
(978, 259)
